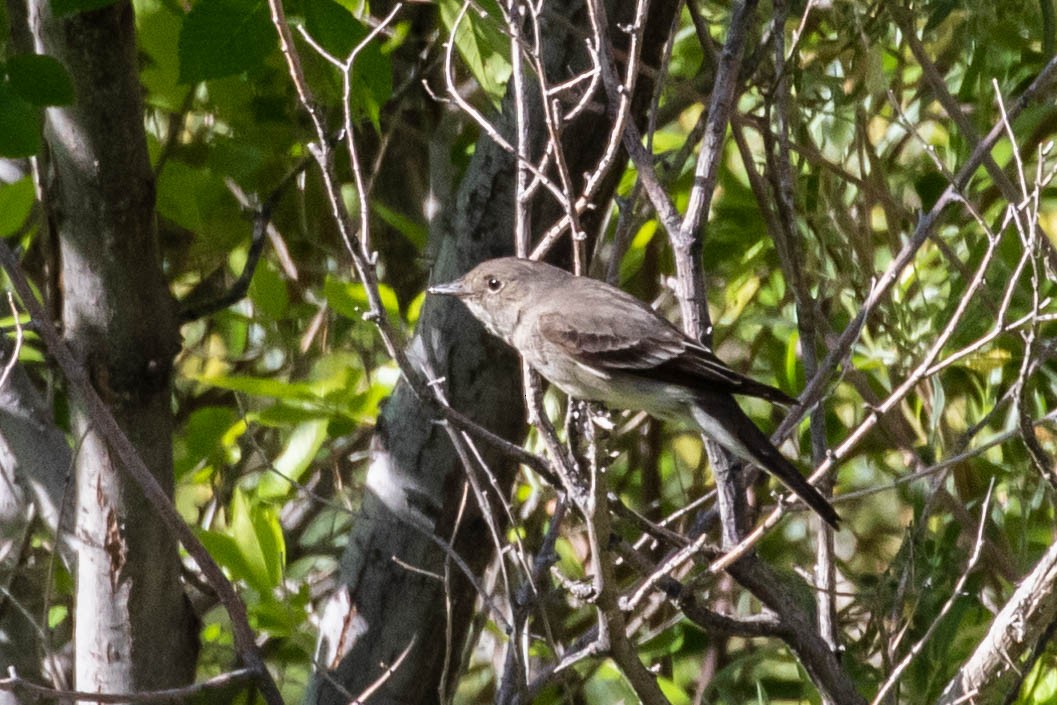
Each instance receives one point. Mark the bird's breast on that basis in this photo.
(615, 388)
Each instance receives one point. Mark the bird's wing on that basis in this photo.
(699, 363)
(607, 342)
(630, 337)
(598, 325)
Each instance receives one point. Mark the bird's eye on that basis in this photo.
(494, 284)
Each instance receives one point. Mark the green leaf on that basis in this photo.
(261, 387)
(158, 35)
(197, 199)
(203, 437)
(414, 309)
(335, 375)
(252, 549)
(297, 456)
(20, 125)
(673, 692)
(40, 79)
(372, 84)
(940, 11)
(268, 291)
(1041, 684)
(16, 202)
(481, 44)
(234, 329)
(415, 232)
(607, 685)
(792, 365)
(339, 33)
(340, 297)
(333, 27)
(269, 534)
(68, 7)
(186, 194)
(350, 298)
(225, 550)
(283, 415)
(259, 539)
(281, 618)
(57, 615)
(224, 37)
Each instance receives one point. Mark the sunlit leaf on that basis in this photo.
(414, 309)
(673, 693)
(262, 387)
(350, 298)
(258, 538)
(297, 456)
(57, 614)
(16, 202)
(481, 44)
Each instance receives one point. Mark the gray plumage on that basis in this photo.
(596, 342)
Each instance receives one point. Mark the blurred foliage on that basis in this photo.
(276, 396)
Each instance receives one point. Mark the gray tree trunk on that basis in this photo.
(415, 482)
(133, 625)
(35, 463)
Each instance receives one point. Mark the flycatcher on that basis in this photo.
(596, 342)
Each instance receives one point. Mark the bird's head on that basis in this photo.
(497, 291)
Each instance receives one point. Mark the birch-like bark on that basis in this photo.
(134, 628)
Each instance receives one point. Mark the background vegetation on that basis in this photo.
(853, 201)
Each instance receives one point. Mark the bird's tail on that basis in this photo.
(720, 418)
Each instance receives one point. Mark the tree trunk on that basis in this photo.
(35, 462)
(133, 626)
(415, 482)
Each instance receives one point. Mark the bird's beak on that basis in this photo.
(455, 288)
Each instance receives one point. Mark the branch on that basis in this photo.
(1023, 620)
(956, 593)
(822, 663)
(684, 598)
(612, 624)
(14, 684)
(841, 349)
(192, 311)
(104, 421)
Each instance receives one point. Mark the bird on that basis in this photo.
(598, 343)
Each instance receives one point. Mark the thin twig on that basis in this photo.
(225, 681)
(842, 347)
(956, 593)
(102, 418)
(392, 668)
(10, 365)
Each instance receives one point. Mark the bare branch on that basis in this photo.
(226, 681)
(1020, 623)
(109, 428)
(956, 593)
